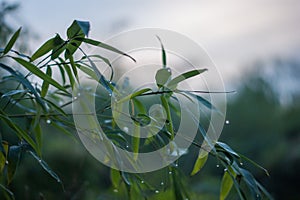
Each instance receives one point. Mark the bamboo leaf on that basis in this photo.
(13, 159)
(58, 47)
(78, 29)
(8, 194)
(45, 85)
(14, 92)
(201, 160)
(12, 41)
(44, 49)
(136, 141)
(227, 148)
(46, 167)
(20, 133)
(35, 70)
(135, 94)
(227, 183)
(174, 82)
(163, 53)
(115, 178)
(162, 76)
(104, 46)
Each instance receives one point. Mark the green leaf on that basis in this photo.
(45, 85)
(71, 48)
(20, 132)
(254, 163)
(88, 71)
(174, 82)
(141, 119)
(74, 68)
(267, 194)
(3, 155)
(227, 149)
(38, 137)
(78, 29)
(13, 92)
(44, 49)
(162, 76)
(251, 182)
(135, 94)
(20, 78)
(58, 47)
(104, 46)
(201, 160)
(35, 70)
(105, 60)
(8, 194)
(12, 41)
(62, 73)
(115, 177)
(202, 100)
(70, 75)
(227, 183)
(13, 159)
(46, 167)
(139, 105)
(163, 53)
(136, 141)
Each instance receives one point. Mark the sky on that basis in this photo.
(233, 32)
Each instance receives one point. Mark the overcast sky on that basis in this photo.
(233, 32)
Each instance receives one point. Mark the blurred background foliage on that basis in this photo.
(264, 125)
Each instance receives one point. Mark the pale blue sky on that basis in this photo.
(234, 32)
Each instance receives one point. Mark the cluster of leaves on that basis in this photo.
(37, 103)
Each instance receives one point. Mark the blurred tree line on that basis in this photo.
(265, 125)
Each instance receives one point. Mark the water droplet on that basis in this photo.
(78, 94)
(6, 162)
(127, 146)
(241, 163)
(75, 98)
(227, 122)
(48, 121)
(169, 70)
(186, 199)
(176, 165)
(225, 169)
(107, 121)
(115, 190)
(257, 195)
(170, 172)
(142, 182)
(218, 166)
(109, 94)
(40, 160)
(125, 129)
(156, 191)
(162, 183)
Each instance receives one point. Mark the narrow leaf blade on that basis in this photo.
(12, 41)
